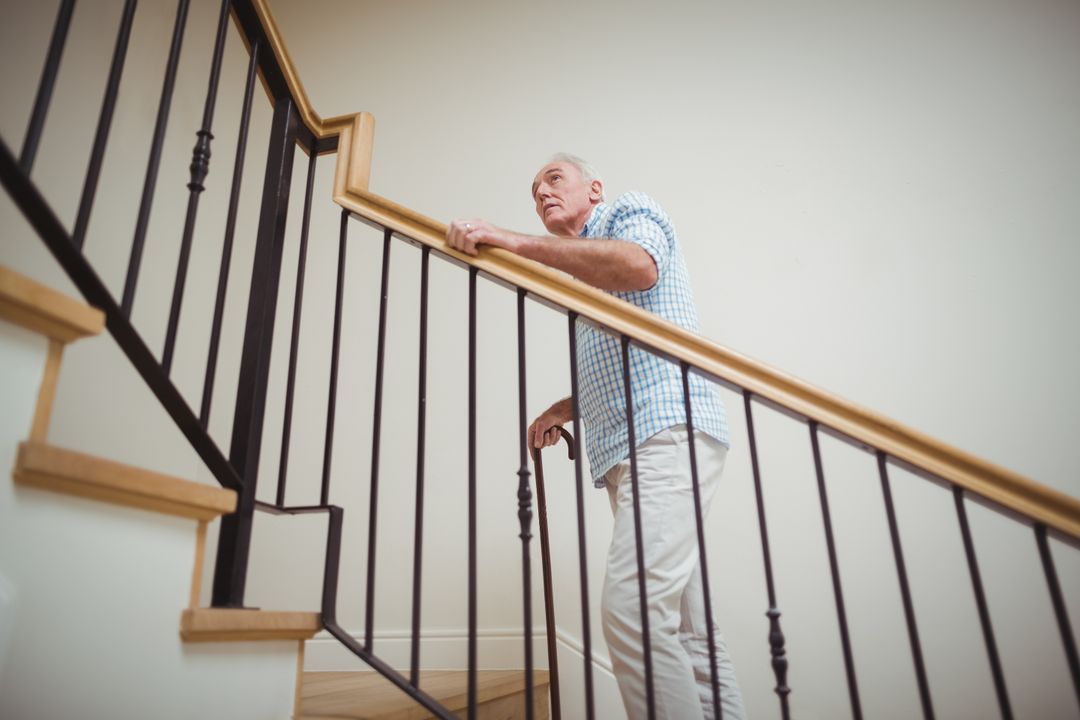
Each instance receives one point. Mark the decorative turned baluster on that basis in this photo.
(779, 657)
(200, 160)
(776, 635)
(524, 495)
(524, 509)
(200, 167)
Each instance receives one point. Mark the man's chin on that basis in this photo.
(555, 225)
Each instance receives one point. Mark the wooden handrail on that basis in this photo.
(321, 128)
(902, 444)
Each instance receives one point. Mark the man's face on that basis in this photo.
(563, 198)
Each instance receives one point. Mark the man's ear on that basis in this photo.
(596, 190)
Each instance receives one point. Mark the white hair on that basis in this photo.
(588, 172)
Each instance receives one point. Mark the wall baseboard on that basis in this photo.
(571, 643)
(446, 649)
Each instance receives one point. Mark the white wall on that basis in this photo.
(875, 198)
(880, 193)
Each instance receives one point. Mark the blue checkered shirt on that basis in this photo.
(655, 384)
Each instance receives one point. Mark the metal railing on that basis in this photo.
(292, 126)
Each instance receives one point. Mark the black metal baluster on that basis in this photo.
(776, 634)
(230, 571)
(331, 402)
(421, 418)
(331, 572)
(646, 641)
(1060, 611)
(834, 567)
(101, 136)
(984, 610)
(154, 162)
(294, 342)
(44, 222)
(905, 592)
(472, 495)
(230, 231)
(200, 167)
(579, 484)
(702, 561)
(524, 507)
(329, 615)
(45, 87)
(376, 435)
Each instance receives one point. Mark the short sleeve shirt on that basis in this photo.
(655, 383)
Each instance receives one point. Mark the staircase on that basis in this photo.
(97, 558)
(51, 485)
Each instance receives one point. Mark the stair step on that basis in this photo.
(48, 467)
(243, 624)
(370, 696)
(39, 308)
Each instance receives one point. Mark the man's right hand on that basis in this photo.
(544, 430)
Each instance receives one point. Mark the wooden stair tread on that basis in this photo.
(370, 696)
(48, 467)
(242, 624)
(39, 308)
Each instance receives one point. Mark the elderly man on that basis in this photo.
(629, 248)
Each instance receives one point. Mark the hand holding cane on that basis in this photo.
(545, 557)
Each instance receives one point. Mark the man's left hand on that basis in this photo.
(466, 235)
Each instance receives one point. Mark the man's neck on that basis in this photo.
(574, 228)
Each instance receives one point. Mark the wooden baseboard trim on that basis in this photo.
(237, 625)
(43, 310)
(47, 467)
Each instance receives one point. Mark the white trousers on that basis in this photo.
(682, 678)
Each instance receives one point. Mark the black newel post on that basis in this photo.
(230, 572)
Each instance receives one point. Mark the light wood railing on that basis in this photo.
(908, 447)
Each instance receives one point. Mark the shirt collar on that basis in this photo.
(594, 216)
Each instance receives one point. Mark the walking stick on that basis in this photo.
(545, 558)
